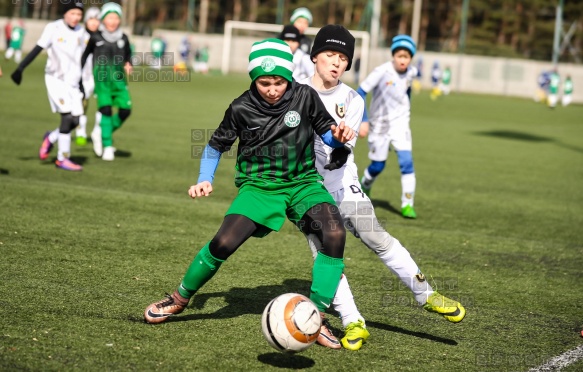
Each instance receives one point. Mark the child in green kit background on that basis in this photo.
(111, 64)
(567, 91)
(16, 41)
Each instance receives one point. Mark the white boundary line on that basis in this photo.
(561, 361)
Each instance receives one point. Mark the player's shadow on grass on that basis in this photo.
(281, 360)
(122, 154)
(427, 336)
(521, 136)
(377, 203)
(4, 172)
(243, 300)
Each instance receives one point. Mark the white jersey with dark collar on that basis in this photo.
(390, 101)
(344, 104)
(64, 47)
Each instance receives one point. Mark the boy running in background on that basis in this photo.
(390, 113)
(91, 25)
(555, 82)
(275, 122)
(445, 81)
(111, 63)
(16, 41)
(332, 53)
(304, 66)
(64, 41)
(567, 91)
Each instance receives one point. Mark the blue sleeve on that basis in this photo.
(409, 93)
(208, 164)
(362, 93)
(330, 140)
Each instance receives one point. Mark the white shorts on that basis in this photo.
(398, 135)
(359, 218)
(64, 98)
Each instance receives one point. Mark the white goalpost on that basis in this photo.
(240, 48)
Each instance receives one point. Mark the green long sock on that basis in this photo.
(201, 270)
(116, 122)
(326, 275)
(106, 124)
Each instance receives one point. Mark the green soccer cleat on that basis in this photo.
(365, 186)
(355, 335)
(81, 141)
(450, 309)
(408, 212)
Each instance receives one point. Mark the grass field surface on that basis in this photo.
(500, 205)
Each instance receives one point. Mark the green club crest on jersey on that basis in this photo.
(268, 64)
(292, 119)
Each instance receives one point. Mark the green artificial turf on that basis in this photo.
(500, 205)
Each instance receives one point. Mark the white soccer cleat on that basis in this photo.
(108, 153)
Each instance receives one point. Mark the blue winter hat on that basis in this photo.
(403, 42)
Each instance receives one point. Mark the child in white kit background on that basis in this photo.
(390, 113)
(64, 41)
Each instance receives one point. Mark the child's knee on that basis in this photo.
(376, 167)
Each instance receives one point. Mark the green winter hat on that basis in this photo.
(110, 8)
(270, 57)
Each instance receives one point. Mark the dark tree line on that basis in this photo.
(510, 28)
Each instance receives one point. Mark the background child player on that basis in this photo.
(16, 41)
(390, 113)
(304, 66)
(567, 91)
(333, 52)
(64, 41)
(91, 25)
(111, 62)
(302, 18)
(275, 121)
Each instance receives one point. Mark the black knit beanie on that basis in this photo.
(71, 4)
(290, 32)
(336, 38)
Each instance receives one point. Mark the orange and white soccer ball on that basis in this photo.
(291, 323)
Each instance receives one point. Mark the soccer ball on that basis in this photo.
(291, 323)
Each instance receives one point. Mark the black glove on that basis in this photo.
(17, 76)
(81, 88)
(338, 158)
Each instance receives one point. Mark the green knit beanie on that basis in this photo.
(271, 57)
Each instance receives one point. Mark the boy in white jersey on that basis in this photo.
(92, 23)
(332, 54)
(303, 64)
(390, 111)
(64, 41)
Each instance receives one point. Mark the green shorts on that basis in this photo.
(115, 94)
(270, 208)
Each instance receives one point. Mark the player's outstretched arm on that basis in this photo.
(17, 74)
(342, 132)
(204, 188)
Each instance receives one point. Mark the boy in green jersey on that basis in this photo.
(274, 121)
(111, 65)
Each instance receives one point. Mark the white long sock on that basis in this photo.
(408, 184)
(81, 130)
(64, 146)
(54, 136)
(400, 262)
(368, 179)
(344, 304)
(18, 56)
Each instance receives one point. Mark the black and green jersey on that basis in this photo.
(276, 143)
(109, 58)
